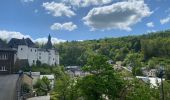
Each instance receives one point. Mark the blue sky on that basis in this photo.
(81, 19)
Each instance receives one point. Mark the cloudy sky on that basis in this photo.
(81, 19)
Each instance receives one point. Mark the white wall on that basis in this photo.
(22, 52)
(32, 55)
(50, 57)
(43, 57)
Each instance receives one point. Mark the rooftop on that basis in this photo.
(48, 76)
(154, 81)
(13, 43)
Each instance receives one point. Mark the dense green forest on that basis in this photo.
(150, 46)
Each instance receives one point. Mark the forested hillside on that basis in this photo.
(152, 46)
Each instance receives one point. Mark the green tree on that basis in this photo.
(135, 61)
(166, 86)
(138, 90)
(26, 88)
(103, 82)
(65, 86)
(42, 86)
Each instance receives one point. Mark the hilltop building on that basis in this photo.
(27, 51)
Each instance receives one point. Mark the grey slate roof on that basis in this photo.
(4, 47)
(13, 43)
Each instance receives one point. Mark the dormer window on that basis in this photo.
(21, 49)
(31, 50)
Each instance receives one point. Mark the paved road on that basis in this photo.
(8, 87)
(40, 98)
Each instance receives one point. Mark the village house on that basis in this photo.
(75, 71)
(118, 66)
(7, 59)
(149, 72)
(154, 81)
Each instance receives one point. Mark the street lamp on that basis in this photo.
(160, 75)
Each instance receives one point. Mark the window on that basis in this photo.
(31, 50)
(21, 49)
(4, 56)
(3, 68)
(33, 61)
(39, 53)
(53, 58)
(39, 57)
(35, 50)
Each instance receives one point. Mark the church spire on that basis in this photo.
(49, 44)
(49, 37)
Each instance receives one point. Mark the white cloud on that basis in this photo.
(86, 3)
(58, 9)
(65, 26)
(120, 15)
(165, 20)
(45, 39)
(150, 24)
(7, 35)
(80, 40)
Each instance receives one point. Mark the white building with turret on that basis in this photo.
(26, 50)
